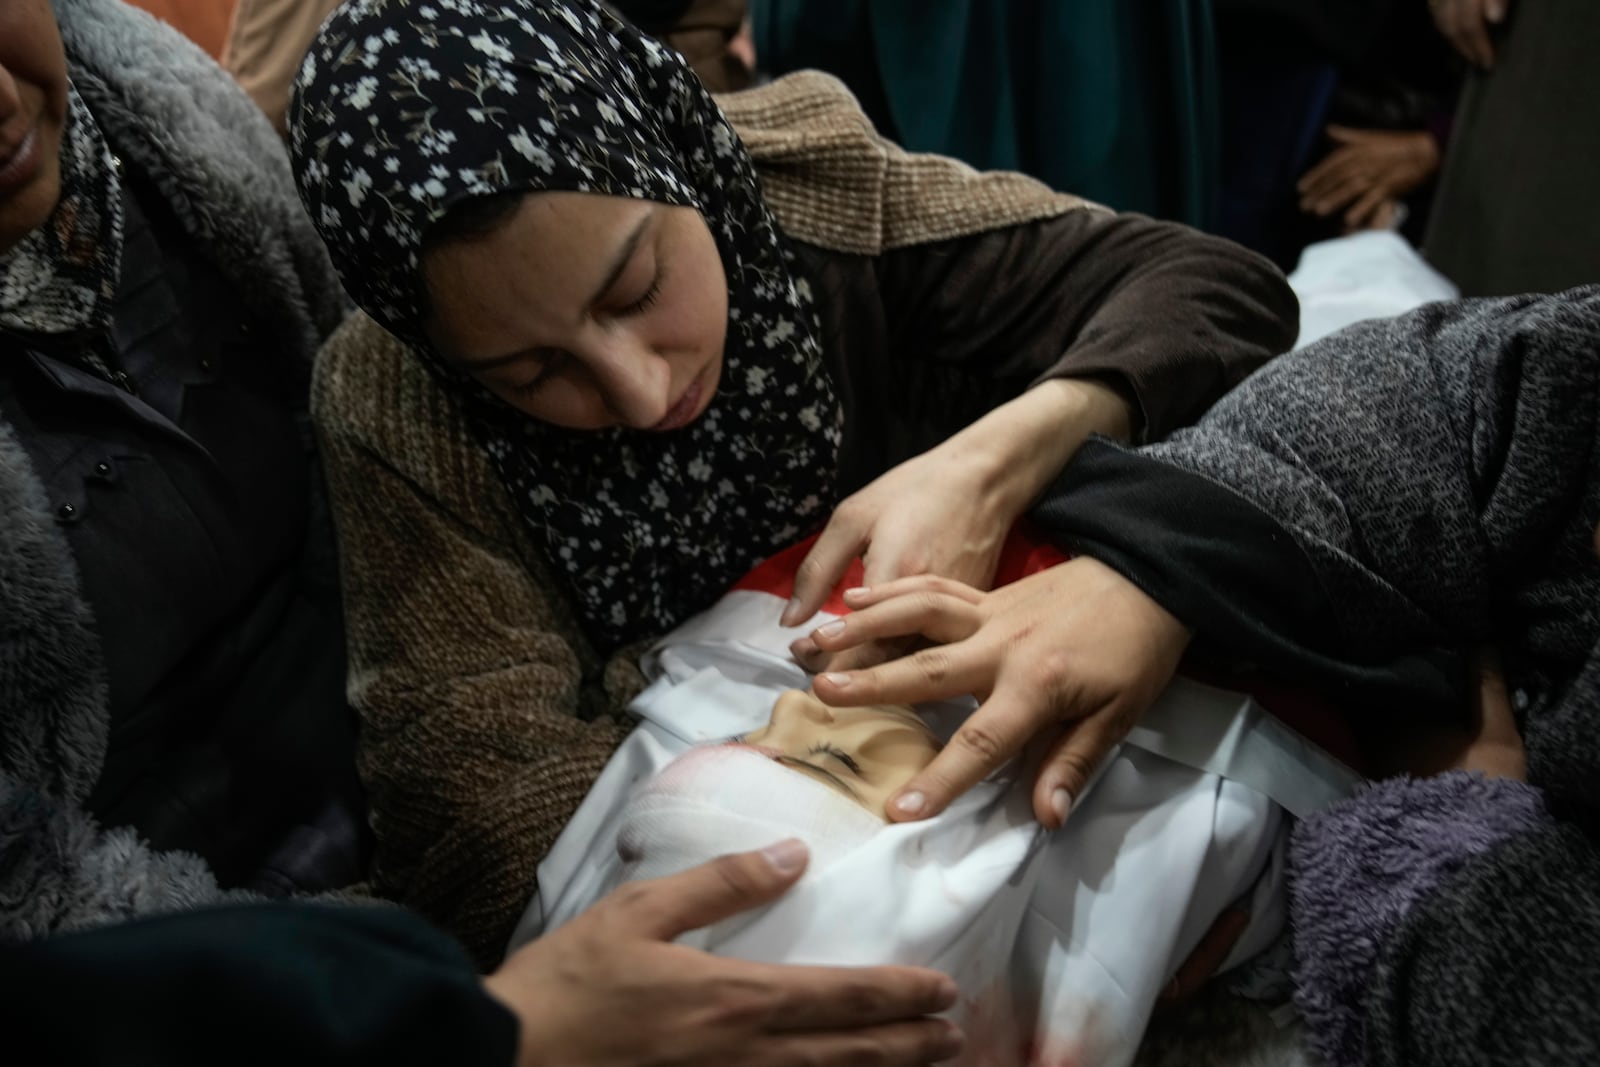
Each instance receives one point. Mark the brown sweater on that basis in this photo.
(486, 716)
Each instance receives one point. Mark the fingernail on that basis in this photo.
(838, 679)
(831, 629)
(910, 803)
(857, 592)
(788, 856)
(803, 646)
(1061, 804)
(947, 992)
(790, 612)
(950, 1042)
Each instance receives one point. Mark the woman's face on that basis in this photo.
(867, 753)
(586, 311)
(33, 113)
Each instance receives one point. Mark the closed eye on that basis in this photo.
(645, 302)
(825, 749)
(548, 368)
(826, 776)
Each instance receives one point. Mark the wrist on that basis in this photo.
(499, 990)
(1023, 444)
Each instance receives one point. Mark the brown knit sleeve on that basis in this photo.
(464, 668)
(1174, 316)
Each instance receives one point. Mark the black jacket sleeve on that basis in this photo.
(1364, 506)
(264, 984)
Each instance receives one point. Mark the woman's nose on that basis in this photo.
(635, 384)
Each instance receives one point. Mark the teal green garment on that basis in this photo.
(1114, 100)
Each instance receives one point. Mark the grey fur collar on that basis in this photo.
(176, 117)
(52, 680)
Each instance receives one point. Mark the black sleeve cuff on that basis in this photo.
(1235, 575)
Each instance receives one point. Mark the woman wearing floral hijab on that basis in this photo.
(607, 368)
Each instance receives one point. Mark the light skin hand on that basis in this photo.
(1466, 24)
(947, 511)
(610, 988)
(1370, 170)
(1076, 650)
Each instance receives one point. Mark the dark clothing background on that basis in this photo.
(1516, 208)
(192, 504)
(1105, 99)
(268, 985)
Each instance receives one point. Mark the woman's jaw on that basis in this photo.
(33, 114)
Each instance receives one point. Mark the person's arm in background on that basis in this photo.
(1123, 325)
(1470, 25)
(1450, 919)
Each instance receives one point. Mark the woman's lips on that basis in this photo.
(21, 165)
(687, 407)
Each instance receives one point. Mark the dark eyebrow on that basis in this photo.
(822, 772)
(619, 263)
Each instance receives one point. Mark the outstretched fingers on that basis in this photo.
(995, 733)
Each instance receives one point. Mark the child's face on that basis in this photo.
(868, 753)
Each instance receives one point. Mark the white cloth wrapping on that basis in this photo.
(1374, 274)
(1060, 942)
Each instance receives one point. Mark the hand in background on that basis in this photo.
(1466, 23)
(947, 512)
(1487, 742)
(1076, 649)
(1368, 173)
(610, 988)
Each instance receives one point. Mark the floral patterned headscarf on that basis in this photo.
(405, 107)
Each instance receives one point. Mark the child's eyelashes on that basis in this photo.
(826, 749)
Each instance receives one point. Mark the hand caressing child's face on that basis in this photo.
(866, 753)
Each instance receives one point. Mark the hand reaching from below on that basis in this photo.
(610, 987)
(1077, 649)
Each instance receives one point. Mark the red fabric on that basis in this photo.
(205, 22)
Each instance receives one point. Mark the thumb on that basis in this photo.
(664, 908)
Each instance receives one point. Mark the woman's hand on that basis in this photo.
(1076, 651)
(1368, 173)
(610, 988)
(947, 512)
(1465, 24)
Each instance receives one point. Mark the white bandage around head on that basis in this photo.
(717, 799)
